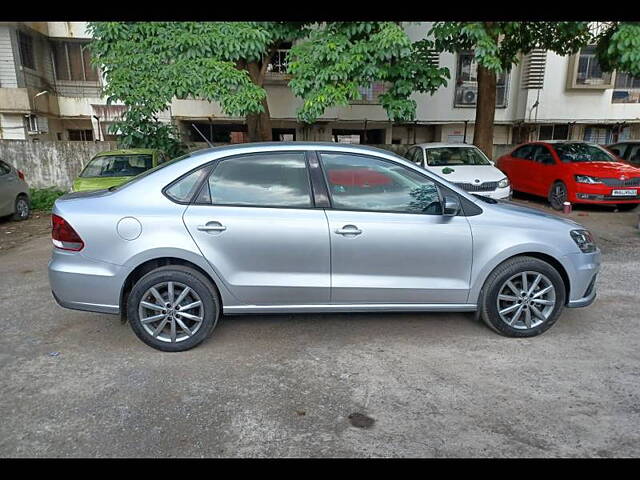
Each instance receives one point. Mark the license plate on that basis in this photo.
(624, 193)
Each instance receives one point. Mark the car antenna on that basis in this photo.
(205, 138)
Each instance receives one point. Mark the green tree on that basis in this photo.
(147, 64)
(618, 47)
(337, 58)
(498, 46)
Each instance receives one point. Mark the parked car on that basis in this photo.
(14, 193)
(628, 151)
(578, 172)
(310, 227)
(465, 165)
(111, 168)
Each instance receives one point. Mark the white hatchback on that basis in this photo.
(462, 164)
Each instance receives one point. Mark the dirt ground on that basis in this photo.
(79, 384)
(13, 233)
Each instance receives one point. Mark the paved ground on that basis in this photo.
(80, 384)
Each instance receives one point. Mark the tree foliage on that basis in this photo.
(337, 58)
(618, 47)
(499, 45)
(147, 64)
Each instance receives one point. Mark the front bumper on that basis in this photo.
(586, 193)
(582, 269)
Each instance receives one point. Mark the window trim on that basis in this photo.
(53, 44)
(438, 185)
(507, 78)
(213, 164)
(572, 77)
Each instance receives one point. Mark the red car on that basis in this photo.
(573, 171)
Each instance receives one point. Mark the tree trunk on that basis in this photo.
(485, 111)
(259, 124)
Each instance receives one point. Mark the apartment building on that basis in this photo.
(49, 91)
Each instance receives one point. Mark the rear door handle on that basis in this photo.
(212, 227)
(349, 230)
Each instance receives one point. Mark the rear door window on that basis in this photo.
(278, 179)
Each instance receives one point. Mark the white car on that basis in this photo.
(462, 164)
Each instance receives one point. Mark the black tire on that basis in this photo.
(488, 303)
(626, 207)
(22, 209)
(557, 195)
(189, 277)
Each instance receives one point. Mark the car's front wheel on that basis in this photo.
(522, 297)
(173, 308)
(558, 195)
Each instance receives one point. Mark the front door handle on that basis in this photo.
(212, 227)
(349, 230)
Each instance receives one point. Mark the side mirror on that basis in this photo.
(451, 206)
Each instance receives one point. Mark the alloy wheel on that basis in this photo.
(22, 208)
(558, 196)
(171, 312)
(526, 300)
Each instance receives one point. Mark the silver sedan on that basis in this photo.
(310, 227)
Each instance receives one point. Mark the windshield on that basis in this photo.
(148, 172)
(449, 156)
(117, 166)
(582, 152)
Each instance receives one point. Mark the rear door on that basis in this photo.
(256, 223)
(519, 172)
(544, 170)
(390, 243)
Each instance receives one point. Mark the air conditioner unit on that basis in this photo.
(468, 95)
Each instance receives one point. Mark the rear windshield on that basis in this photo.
(446, 156)
(582, 152)
(117, 166)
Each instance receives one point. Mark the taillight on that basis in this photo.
(64, 236)
(21, 175)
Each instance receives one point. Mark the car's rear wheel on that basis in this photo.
(558, 195)
(626, 207)
(522, 297)
(22, 208)
(173, 308)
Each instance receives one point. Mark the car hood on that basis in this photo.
(604, 169)
(81, 184)
(474, 174)
(508, 207)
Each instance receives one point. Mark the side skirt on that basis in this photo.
(360, 307)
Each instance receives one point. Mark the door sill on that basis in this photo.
(352, 307)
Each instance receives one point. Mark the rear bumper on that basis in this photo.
(81, 283)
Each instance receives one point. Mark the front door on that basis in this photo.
(389, 240)
(256, 225)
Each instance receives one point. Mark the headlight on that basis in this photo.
(584, 240)
(504, 183)
(586, 179)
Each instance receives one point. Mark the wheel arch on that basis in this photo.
(551, 260)
(149, 265)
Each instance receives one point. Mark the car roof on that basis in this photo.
(299, 145)
(444, 145)
(128, 151)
